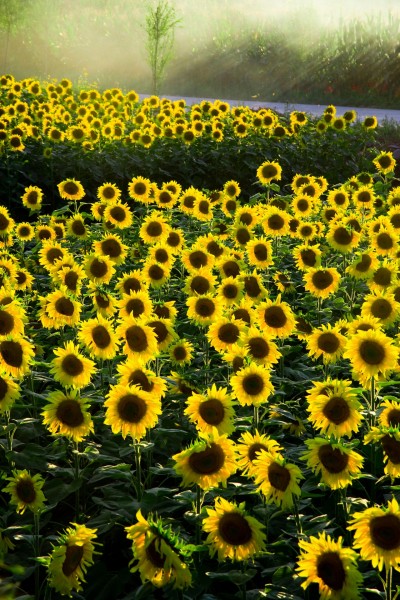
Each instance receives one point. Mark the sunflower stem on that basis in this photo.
(388, 583)
(319, 309)
(138, 465)
(199, 500)
(36, 527)
(297, 517)
(372, 400)
(256, 418)
(76, 478)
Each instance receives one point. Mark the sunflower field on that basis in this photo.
(199, 350)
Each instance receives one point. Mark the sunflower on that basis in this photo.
(276, 318)
(364, 265)
(224, 332)
(70, 278)
(203, 309)
(377, 535)
(337, 463)
(50, 253)
(385, 241)
(322, 282)
(307, 256)
(9, 392)
(389, 415)
(16, 355)
(253, 287)
(276, 479)
(188, 200)
(99, 269)
(61, 309)
(232, 533)
(251, 385)
(11, 319)
(342, 238)
(181, 352)
(248, 448)
(247, 215)
(275, 222)
(70, 189)
(111, 245)
(132, 281)
(211, 412)
(26, 491)
(259, 346)
(131, 410)
(259, 253)
(166, 310)
(389, 439)
(24, 232)
(98, 337)
(229, 266)
(195, 257)
(332, 567)
(159, 554)
(154, 228)
(175, 240)
(385, 162)
(382, 306)
(132, 372)
(139, 188)
(66, 414)
(108, 192)
(70, 559)
(140, 339)
(335, 410)
(161, 254)
(70, 367)
(384, 276)
(207, 462)
(155, 274)
(269, 171)
(200, 282)
(232, 189)
(371, 354)
(119, 214)
(6, 222)
(136, 304)
(243, 311)
(163, 329)
(32, 198)
(283, 282)
(327, 342)
(338, 198)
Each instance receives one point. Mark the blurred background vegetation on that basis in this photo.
(345, 52)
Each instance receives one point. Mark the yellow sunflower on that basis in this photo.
(131, 410)
(67, 414)
(377, 535)
(70, 189)
(70, 367)
(163, 329)
(139, 188)
(119, 214)
(327, 563)
(108, 192)
(98, 337)
(133, 372)
(342, 238)
(322, 282)
(307, 256)
(70, 558)
(16, 355)
(203, 309)
(62, 308)
(9, 392)
(132, 281)
(212, 411)
(24, 232)
(11, 319)
(337, 463)
(275, 222)
(269, 171)
(336, 409)
(111, 245)
(389, 439)
(363, 266)
(159, 555)
(32, 198)
(207, 462)
(385, 162)
(140, 339)
(248, 448)
(253, 286)
(200, 282)
(232, 533)
(277, 479)
(326, 341)
(382, 306)
(389, 413)
(259, 253)
(371, 353)
(252, 385)
(276, 318)
(224, 332)
(99, 269)
(26, 491)
(154, 228)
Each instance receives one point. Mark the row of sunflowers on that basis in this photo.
(199, 392)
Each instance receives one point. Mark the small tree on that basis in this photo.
(161, 21)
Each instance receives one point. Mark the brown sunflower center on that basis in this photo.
(393, 416)
(385, 531)
(72, 365)
(131, 408)
(231, 205)
(234, 529)
(230, 291)
(212, 411)
(384, 241)
(252, 286)
(54, 254)
(391, 447)
(179, 353)
(111, 247)
(101, 337)
(328, 342)
(228, 333)
(6, 322)
(254, 449)
(231, 269)
(12, 353)
(173, 239)
(208, 461)
(118, 213)
(243, 235)
(135, 306)
(279, 477)
(364, 263)
(102, 301)
(259, 348)
(198, 259)
(71, 280)
(161, 255)
(131, 284)
(78, 227)
(154, 556)
(200, 284)
(205, 307)
(383, 276)
(336, 410)
(98, 268)
(204, 207)
(274, 316)
(69, 412)
(381, 308)
(269, 171)
(154, 229)
(342, 236)
(160, 330)
(237, 364)
(322, 280)
(3, 389)
(25, 491)
(330, 569)
(138, 377)
(214, 248)
(332, 459)
(65, 307)
(73, 557)
(275, 222)
(261, 252)
(306, 230)
(372, 352)
(71, 188)
(156, 273)
(253, 384)
(242, 314)
(4, 222)
(188, 201)
(308, 257)
(136, 338)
